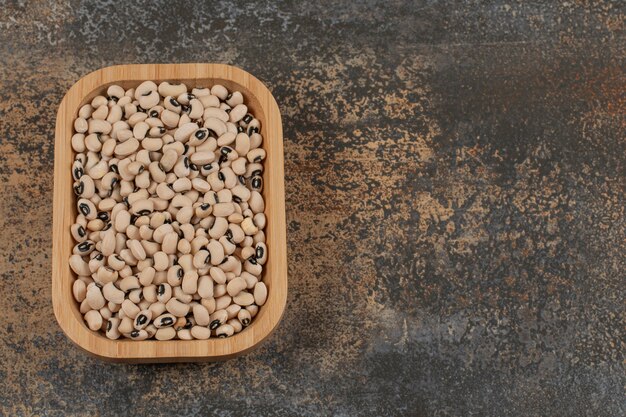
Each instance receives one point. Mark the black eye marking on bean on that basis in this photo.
(252, 260)
(212, 133)
(167, 321)
(245, 322)
(107, 227)
(180, 273)
(115, 99)
(154, 113)
(236, 199)
(185, 109)
(114, 168)
(161, 289)
(135, 189)
(229, 96)
(240, 129)
(227, 110)
(223, 158)
(222, 336)
(84, 208)
(257, 172)
(247, 118)
(190, 96)
(200, 134)
(141, 109)
(133, 218)
(193, 167)
(134, 333)
(226, 150)
(214, 324)
(220, 176)
(109, 326)
(256, 182)
(205, 206)
(188, 324)
(125, 200)
(78, 189)
(242, 179)
(162, 130)
(141, 319)
(84, 247)
(225, 260)
(259, 252)
(114, 182)
(99, 257)
(103, 215)
(170, 186)
(143, 212)
(81, 231)
(78, 172)
(186, 161)
(174, 102)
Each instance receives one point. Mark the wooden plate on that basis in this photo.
(262, 104)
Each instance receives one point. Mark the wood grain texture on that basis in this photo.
(262, 104)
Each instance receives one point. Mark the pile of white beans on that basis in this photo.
(169, 231)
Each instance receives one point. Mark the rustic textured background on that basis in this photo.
(455, 202)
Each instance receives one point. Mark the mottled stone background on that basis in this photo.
(455, 203)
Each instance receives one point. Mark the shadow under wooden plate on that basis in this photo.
(262, 104)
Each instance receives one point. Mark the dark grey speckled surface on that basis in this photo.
(455, 200)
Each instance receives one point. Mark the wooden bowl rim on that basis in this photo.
(270, 313)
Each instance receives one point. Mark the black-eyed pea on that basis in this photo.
(131, 282)
(201, 258)
(94, 320)
(218, 318)
(231, 264)
(125, 272)
(219, 228)
(84, 248)
(79, 266)
(101, 112)
(253, 309)
(186, 262)
(136, 248)
(112, 328)
(248, 226)
(151, 330)
(200, 332)
(252, 267)
(235, 286)
(244, 316)
(184, 131)
(219, 290)
(84, 307)
(115, 114)
(205, 286)
(149, 293)
(259, 237)
(115, 92)
(220, 91)
(218, 275)
(142, 319)
(145, 232)
(164, 320)
(216, 251)
(87, 209)
(225, 330)
(161, 231)
(235, 218)
(255, 139)
(106, 275)
(161, 261)
(209, 304)
(78, 232)
(138, 335)
(166, 89)
(175, 275)
(247, 252)
(238, 112)
(146, 276)
(177, 308)
(190, 282)
(183, 246)
(222, 302)
(157, 309)
(94, 297)
(234, 99)
(136, 296)
(130, 309)
(81, 125)
(229, 247)
(126, 325)
(184, 214)
(233, 310)
(236, 325)
(201, 315)
(165, 333)
(260, 253)
(79, 290)
(244, 298)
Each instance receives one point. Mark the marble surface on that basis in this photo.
(455, 206)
